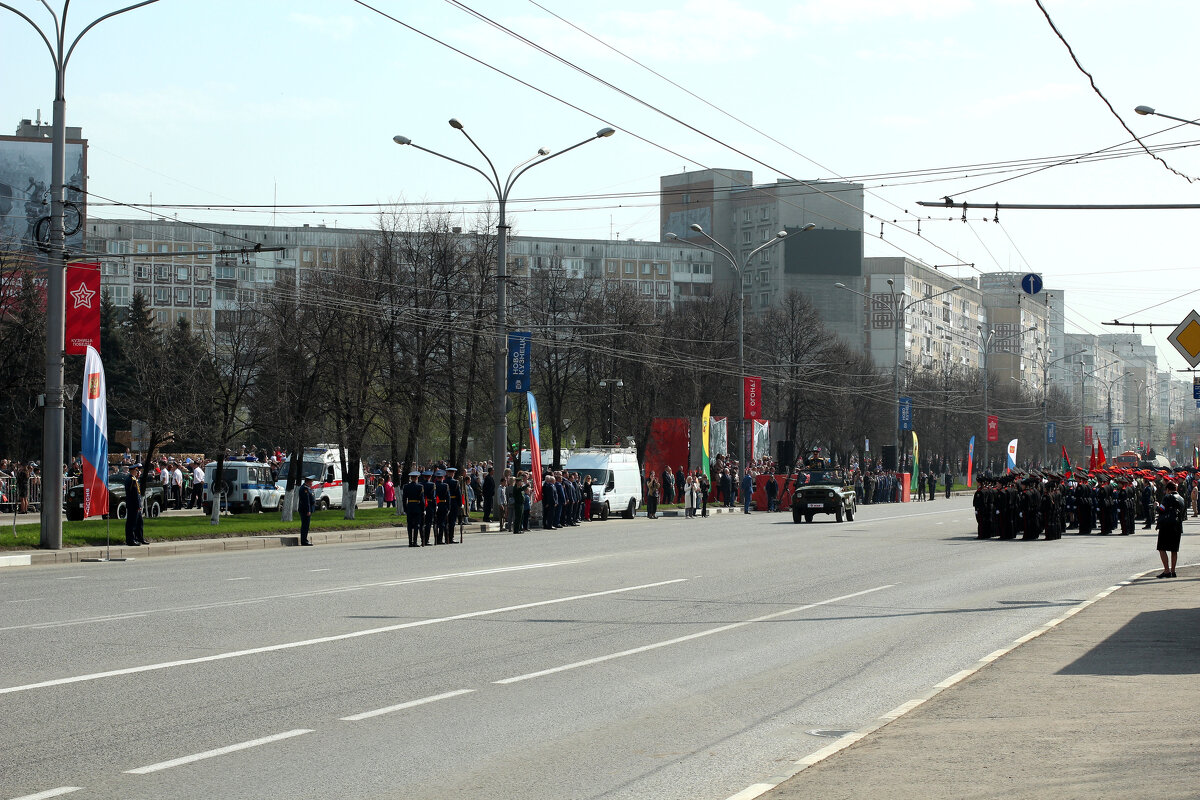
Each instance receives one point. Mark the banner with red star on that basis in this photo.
(83, 308)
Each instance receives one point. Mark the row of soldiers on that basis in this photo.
(433, 504)
(1038, 504)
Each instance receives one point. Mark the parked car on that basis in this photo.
(154, 496)
(823, 491)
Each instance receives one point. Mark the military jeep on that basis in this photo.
(823, 491)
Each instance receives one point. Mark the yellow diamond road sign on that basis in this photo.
(1186, 338)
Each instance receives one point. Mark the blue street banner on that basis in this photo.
(1116, 438)
(519, 343)
(906, 414)
(1051, 432)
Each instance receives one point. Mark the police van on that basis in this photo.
(323, 464)
(243, 486)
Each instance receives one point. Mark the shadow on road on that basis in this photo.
(1152, 643)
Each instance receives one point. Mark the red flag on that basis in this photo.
(83, 308)
(752, 388)
(1092, 459)
(1100, 459)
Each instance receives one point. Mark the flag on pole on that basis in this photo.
(1012, 455)
(1066, 462)
(970, 460)
(705, 421)
(94, 437)
(1100, 459)
(535, 447)
(912, 482)
(760, 444)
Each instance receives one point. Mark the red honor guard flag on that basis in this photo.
(82, 325)
(94, 437)
(752, 388)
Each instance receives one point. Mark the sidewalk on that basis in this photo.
(1104, 705)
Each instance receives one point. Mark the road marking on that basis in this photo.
(687, 638)
(291, 596)
(30, 600)
(326, 639)
(220, 751)
(238, 579)
(141, 588)
(410, 704)
(50, 793)
(16, 561)
(322, 569)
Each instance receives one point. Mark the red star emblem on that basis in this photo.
(82, 296)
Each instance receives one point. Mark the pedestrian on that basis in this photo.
(441, 519)
(489, 495)
(198, 482)
(306, 506)
(772, 490)
(177, 486)
(454, 503)
(517, 504)
(703, 487)
(652, 497)
(949, 483)
(389, 492)
(689, 496)
(747, 490)
(549, 501)
(1170, 529)
(668, 486)
(134, 528)
(379, 493)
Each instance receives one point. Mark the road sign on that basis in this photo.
(1196, 388)
(1186, 339)
(1032, 284)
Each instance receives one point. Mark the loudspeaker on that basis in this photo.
(888, 452)
(787, 454)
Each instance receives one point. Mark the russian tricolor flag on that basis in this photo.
(95, 437)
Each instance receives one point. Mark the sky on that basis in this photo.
(262, 104)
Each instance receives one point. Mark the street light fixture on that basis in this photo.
(502, 191)
(898, 312)
(54, 260)
(987, 335)
(739, 269)
(1147, 111)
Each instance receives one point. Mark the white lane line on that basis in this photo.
(687, 638)
(292, 595)
(322, 569)
(325, 639)
(30, 600)
(410, 704)
(220, 751)
(70, 577)
(140, 589)
(76, 622)
(50, 793)
(238, 579)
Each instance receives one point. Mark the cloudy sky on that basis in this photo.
(202, 106)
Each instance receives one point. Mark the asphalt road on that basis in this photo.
(641, 659)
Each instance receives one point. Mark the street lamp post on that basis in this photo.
(739, 269)
(611, 383)
(987, 335)
(54, 261)
(898, 313)
(502, 191)
(1046, 362)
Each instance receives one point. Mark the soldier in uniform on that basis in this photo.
(413, 497)
(1108, 507)
(454, 508)
(1084, 507)
(1126, 495)
(441, 497)
(1031, 508)
(429, 489)
(134, 530)
(983, 508)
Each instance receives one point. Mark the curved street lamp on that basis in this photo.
(502, 191)
(55, 264)
(739, 269)
(1147, 111)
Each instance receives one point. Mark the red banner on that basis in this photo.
(993, 425)
(1087, 435)
(753, 393)
(83, 308)
(669, 446)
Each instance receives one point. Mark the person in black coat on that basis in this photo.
(549, 502)
(308, 504)
(489, 495)
(134, 531)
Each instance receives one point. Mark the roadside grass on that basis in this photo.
(94, 532)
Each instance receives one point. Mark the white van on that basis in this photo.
(323, 464)
(246, 485)
(616, 479)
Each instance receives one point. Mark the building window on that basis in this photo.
(630, 268)
(141, 272)
(746, 215)
(225, 273)
(764, 300)
(116, 248)
(646, 267)
(226, 295)
(306, 256)
(203, 248)
(610, 267)
(183, 296)
(163, 248)
(766, 212)
(162, 296)
(747, 236)
(161, 317)
(142, 247)
(203, 296)
(183, 273)
(764, 276)
(162, 272)
(118, 294)
(201, 274)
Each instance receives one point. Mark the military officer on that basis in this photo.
(455, 505)
(413, 496)
(429, 490)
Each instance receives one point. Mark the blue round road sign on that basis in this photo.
(1031, 283)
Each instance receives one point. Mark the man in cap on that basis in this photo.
(307, 505)
(441, 496)
(134, 530)
(429, 489)
(413, 496)
(454, 507)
